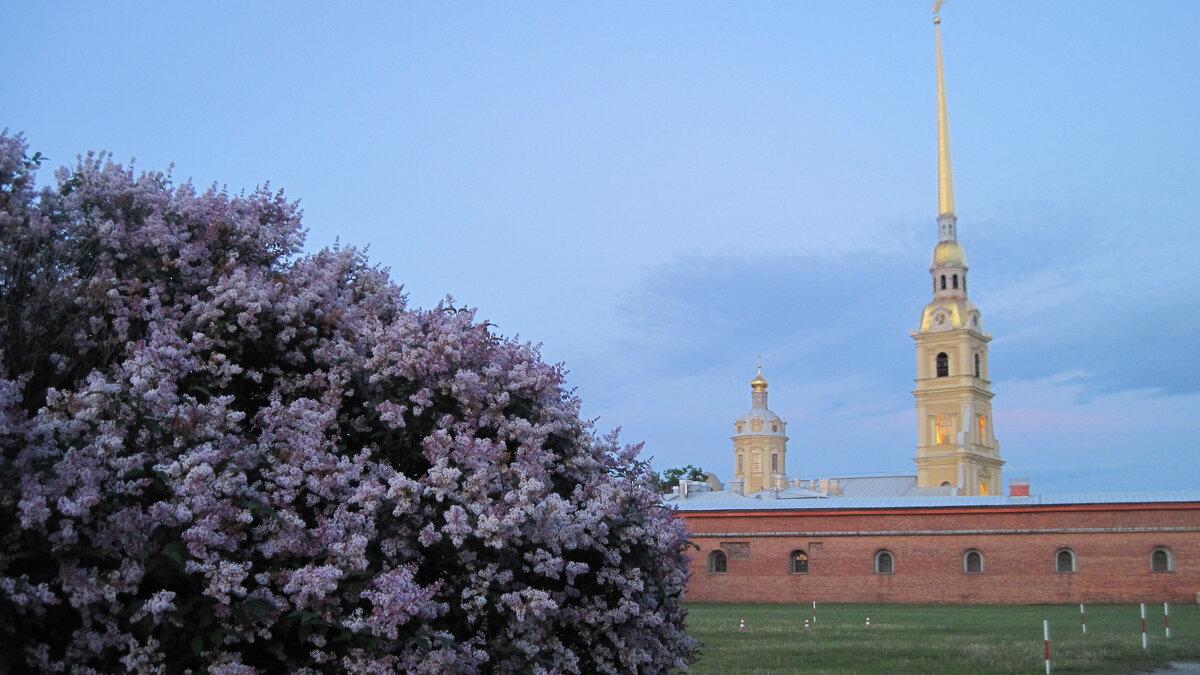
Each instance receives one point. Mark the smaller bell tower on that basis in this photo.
(759, 442)
(956, 444)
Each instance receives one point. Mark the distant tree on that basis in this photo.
(669, 478)
(219, 455)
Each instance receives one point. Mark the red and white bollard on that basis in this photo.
(1083, 619)
(814, 611)
(868, 622)
(742, 624)
(1167, 619)
(806, 625)
(1145, 643)
(1046, 637)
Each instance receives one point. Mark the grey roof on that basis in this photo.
(883, 487)
(728, 501)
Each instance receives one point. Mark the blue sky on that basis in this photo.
(658, 192)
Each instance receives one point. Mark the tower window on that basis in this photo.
(943, 282)
(1064, 560)
(1160, 560)
(717, 563)
(983, 421)
(954, 280)
(798, 563)
(883, 562)
(774, 463)
(943, 364)
(941, 430)
(973, 562)
(741, 465)
(977, 370)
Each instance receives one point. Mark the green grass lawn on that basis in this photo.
(937, 638)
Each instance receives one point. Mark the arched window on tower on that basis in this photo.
(943, 364)
(983, 422)
(954, 280)
(717, 563)
(774, 463)
(943, 282)
(798, 563)
(977, 369)
(941, 430)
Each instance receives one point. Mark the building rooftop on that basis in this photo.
(897, 492)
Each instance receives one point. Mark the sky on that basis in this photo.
(660, 192)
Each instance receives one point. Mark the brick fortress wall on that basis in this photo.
(1112, 546)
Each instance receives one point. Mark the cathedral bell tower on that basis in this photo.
(956, 445)
(759, 442)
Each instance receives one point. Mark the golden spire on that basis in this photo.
(945, 177)
(759, 383)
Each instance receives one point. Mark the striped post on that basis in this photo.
(1145, 644)
(1046, 637)
(814, 611)
(1083, 619)
(1167, 619)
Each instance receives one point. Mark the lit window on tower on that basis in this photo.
(941, 430)
(983, 421)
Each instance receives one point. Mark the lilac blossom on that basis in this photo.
(218, 454)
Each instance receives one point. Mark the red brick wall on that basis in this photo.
(1019, 565)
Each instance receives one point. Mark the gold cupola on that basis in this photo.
(759, 383)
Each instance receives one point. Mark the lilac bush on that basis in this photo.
(221, 455)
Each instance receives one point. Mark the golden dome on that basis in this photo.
(949, 254)
(759, 383)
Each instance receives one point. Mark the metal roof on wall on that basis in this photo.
(728, 501)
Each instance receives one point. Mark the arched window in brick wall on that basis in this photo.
(884, 563)
(973, 562)
(798, 563)
(717, 563)
(1064, 560)
(1160, 560)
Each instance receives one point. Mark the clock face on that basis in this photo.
(940, 319)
